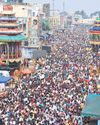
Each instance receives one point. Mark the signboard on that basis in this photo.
(7, 8)
(46, 9)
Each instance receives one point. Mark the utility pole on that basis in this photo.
(53, 5)
(63, 5)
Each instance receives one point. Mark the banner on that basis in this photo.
(46, 9)
(7, 8)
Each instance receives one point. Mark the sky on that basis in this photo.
(72, 5)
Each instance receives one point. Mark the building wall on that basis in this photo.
(24, 14)
(22, 10)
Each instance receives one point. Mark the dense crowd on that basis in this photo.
(57, 98)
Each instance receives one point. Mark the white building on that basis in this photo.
(54, 19)
(23, 12)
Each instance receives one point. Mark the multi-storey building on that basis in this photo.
(95, 43)
(95, 35)
(23, 13)
(11, 36)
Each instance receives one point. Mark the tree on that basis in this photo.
(97, 13)
(45, 25)
(82, 13)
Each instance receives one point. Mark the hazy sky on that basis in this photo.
(73, 5)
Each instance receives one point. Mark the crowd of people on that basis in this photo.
(59, 97)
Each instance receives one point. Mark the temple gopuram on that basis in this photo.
(95, 43)
(11, 38)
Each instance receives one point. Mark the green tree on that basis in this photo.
(82, 13)
(45, 25)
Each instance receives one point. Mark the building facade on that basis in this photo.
(54, 19)
(23, 12)
(95, 43)
(11, 36)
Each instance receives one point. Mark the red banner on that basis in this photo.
(7, 7)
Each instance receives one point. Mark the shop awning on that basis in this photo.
(7, 12)
(92, 106)
(97, 19)
(5, 80)
(95, 28)
(94, 32)
(19, 37)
